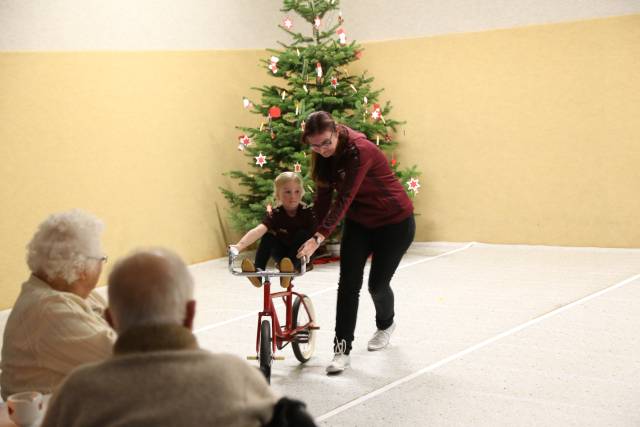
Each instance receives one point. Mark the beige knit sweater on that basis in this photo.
(158, 377)
(48, 334)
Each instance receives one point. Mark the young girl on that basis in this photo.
(283, 230)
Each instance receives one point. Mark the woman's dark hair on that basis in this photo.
(316, 123)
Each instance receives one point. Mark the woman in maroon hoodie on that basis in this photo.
(379, 222)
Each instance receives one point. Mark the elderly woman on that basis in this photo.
(57, 321)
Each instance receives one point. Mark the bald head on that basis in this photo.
(150, 287)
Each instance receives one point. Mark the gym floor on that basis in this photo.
(487, 335)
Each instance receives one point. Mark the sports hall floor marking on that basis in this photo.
(471, 349)
(332, 288)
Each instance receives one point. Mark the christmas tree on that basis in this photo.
(311, 75)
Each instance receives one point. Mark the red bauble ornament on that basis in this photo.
(274, 112)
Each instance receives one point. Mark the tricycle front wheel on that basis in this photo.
(304, 342)
(265, 355)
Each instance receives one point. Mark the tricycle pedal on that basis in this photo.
(301, 337)
(252, 357)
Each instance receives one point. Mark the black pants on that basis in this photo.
(271, 246)
(387, 244)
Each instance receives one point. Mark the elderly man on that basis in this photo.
(57, 322)
(158, 376)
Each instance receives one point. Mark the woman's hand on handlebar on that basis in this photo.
(308, 248)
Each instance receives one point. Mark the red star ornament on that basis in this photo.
(288, 23)
(334, 82)
(316, 22)
(376, 114)
(413, 185)
(261, 159)
(244, 140)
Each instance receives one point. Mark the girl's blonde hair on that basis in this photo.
(281, 180)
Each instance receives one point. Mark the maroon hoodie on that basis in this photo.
(366, 188)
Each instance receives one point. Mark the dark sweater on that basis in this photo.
(367, 190)
(285, 227)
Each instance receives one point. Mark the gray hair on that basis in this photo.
(66, 244)
(149, 287)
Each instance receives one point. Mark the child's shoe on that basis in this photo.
(248, 267)
(286, 266)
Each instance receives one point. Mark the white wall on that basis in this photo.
(54, 25)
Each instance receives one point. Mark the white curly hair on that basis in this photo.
(66, 244)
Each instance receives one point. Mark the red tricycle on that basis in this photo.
(299, 329)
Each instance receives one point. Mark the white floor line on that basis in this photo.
(332, 288)
(471, 349)
(253, 313)
(465, 247)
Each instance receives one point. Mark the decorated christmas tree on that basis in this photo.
(311, 74)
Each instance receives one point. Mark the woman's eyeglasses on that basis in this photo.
(323, 144)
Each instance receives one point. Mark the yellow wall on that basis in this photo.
(527, 135)
(139, 139)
